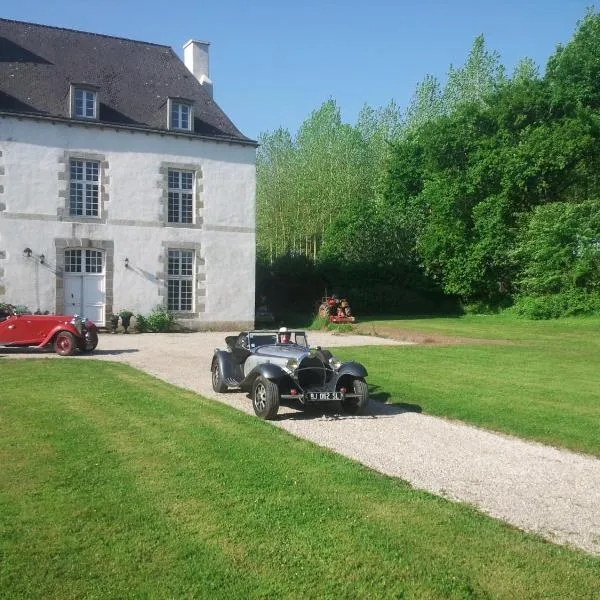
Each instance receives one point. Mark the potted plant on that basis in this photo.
(126, 319)
(114, 322)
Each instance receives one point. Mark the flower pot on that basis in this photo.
(125, 321)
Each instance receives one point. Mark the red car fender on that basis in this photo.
(60, 327)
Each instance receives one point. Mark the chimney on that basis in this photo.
(195, 57)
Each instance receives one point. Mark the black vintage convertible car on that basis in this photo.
(275, 365)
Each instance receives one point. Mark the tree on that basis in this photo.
(573, 72)
(480, 76)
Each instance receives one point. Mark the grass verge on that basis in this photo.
(542, 384)
(117, 485)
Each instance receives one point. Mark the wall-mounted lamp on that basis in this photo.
(27, 252)
(127, 263)
(42, 259)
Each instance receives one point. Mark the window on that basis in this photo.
(180, 277)
(180, 190)
(84, 104)
(181, 116)
(91, 260)
(83, 189)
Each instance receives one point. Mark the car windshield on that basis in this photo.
(301, 339)
(262, 339)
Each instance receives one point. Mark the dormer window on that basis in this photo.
(180, 115)
(84, 103)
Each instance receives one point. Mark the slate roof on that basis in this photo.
(134, 79)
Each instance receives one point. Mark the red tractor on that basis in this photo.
(336, 310)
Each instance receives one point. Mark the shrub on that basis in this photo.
(340, 327)
(159, 320)
(141, 324)
(319, 323)
(564, 304)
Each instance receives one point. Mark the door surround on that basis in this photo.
(107, 246)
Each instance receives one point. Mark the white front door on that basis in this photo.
(85, 284)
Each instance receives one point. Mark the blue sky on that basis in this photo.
(273, 62)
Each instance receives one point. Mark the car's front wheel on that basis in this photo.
(265, 398)
(90, 342)
(64, 343)
(358, 404)
(217, 381)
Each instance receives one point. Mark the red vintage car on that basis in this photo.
(65, 333)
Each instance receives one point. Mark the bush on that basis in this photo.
(339, 327)
(159, 320)
(569, 303)
(141, 324)
(319, 323)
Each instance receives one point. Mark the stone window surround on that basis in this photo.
(185, 102)
(64, 177)
(86, 88)
(107, 246)
(198, 208)
(199, 285)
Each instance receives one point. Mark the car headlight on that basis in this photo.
(77, 323)
(292, 364)
(335, 363)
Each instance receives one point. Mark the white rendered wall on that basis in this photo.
(31, 161)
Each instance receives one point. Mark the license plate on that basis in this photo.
(312, 396)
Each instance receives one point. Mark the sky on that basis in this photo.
(273, 62)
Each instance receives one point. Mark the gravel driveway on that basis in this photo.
(555, 493)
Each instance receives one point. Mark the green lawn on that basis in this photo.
(116, 485)
(542, 382)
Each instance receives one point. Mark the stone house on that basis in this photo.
(123, 185)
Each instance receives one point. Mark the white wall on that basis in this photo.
(33, 156)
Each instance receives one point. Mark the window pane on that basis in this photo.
(175, 116)
(89, 104)
(173, 262)
(180, 207)
(91, 201)
(186, 295)
(186, 263)
(186, 180)
(85, 103)
(76, 198)
(83, 188)
(93, 261)
(76, 169)
(173, 209)
(180, 280)
(186, 208)
(185, 117)
(173, 295)
(72, 261)
(91, 171)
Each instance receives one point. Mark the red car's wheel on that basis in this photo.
(64, 343)
(90, 342)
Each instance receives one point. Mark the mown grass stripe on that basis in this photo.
(145, 490)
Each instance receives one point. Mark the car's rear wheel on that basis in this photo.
(265, 398)
(358, 404)
(64, 343)
(217, 381)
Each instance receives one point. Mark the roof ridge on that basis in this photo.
(91, 33)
